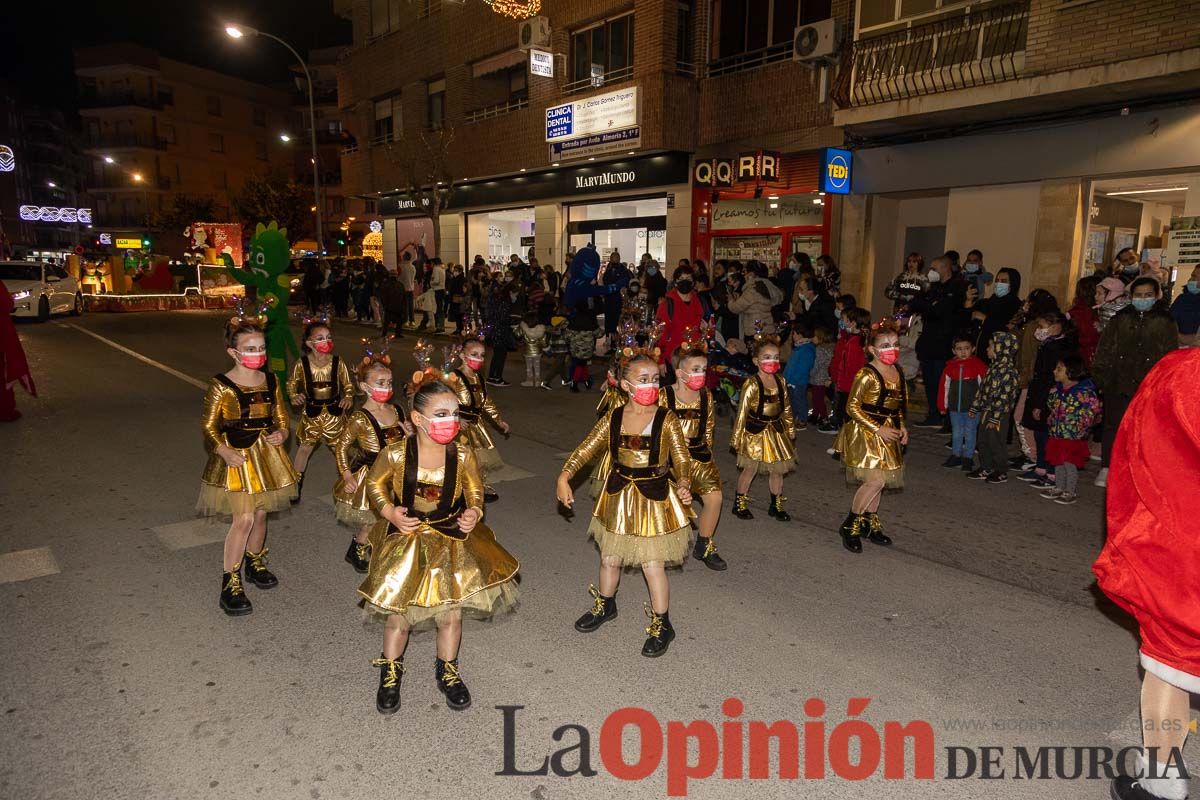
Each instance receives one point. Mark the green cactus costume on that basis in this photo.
(266, 271)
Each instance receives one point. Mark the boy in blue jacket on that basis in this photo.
(799, 364)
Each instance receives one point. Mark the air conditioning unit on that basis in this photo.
(534, 32)
(816, 42)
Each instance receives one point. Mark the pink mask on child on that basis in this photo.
(475, 363)
(381, 395)
(443, 429)
(324, 346)
(645, 395)
(252, 360)
(889, 355)
(769, 367)
(695, 382)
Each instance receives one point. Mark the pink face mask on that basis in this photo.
(889, 355)
(645, 395)
(252, 360)
(324, 346)
(769, 367)
(474, 363)
(442, 429)
(381, 395)
(695, 381)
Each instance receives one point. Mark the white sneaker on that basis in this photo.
(1101, 478)
(1065, 499)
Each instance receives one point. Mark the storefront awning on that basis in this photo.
(497, 63)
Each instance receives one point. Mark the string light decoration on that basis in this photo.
(517, 9)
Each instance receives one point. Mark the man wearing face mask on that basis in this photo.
(937, 309)
(1186, 310)
(654, 281)
(1125, 265)
(1138, 336)
(975, 273)
(680, 312)
(995, 312)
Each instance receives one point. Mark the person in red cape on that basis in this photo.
(13, 366)
(1150, 565)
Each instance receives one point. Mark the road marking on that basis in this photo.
(24, 565)
(190, 533)
(140, 357)
(508, 473)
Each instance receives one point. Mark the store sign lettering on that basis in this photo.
(836, 166)
(759, 165)
(734, 214)
(604, 179)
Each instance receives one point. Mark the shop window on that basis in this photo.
(608, 46)
(258, 116)
(387, 120)
(436, 107)
(260, 151)
(496, 235)
(216, 143)
(213, 104)
(385, 17)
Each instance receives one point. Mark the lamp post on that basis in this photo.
(237, 32)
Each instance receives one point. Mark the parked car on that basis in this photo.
(39, 289)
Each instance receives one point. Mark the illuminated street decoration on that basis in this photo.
(376, 226)
(517, 9)
(53, 214)
(8, 162)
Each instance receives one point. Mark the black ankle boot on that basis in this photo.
(257, 572)
(233, 599)
(449, 682)
(706, 551)
(603, 609)
(489, 495)
(741, 506)
(660, 634)
(875, 529)
(387, 699)
(776, 509)
(299, 487)
(851, 531)
(358, 556)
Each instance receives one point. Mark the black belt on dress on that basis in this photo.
(699, 450)
(313, 408)
(757, 424)
(652, 482)
(446, 525)
(243, 433)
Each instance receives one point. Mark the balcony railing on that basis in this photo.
(125, 140)
(382, 139)
(589, 83)
(497, 110)
(973, 49)
(751, 60)
(111, 99)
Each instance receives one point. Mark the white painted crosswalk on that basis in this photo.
(23, 565)
(190, 533)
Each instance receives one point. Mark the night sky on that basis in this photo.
(38, 36)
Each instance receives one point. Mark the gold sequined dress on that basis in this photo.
(437, 568)
(363, 436)
(699, 422)
(476, 408)
(321, 418)
(873, 402)
(763, 429)
(639, 517)
(241, 417)
(612, 399)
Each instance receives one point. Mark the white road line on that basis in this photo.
(24, 565)
(190, 533)
(140, 357)
(508, 473)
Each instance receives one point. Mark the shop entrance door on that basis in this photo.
(928, 240)
(631, 237)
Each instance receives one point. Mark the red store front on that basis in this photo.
(760, 205)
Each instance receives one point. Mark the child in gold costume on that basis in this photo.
(871, 441)
(642, 518)
(320, 386)
(691, 401)
(432, 558)
(367, 431)
(763, 431)
(476, 408)
(248, 474)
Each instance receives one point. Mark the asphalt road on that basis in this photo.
(120, 677)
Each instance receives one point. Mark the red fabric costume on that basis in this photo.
(1150, 565)
(13, 366)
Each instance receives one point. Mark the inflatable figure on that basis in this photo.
(266, 270)
(581, 278)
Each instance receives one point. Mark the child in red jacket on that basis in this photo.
(960, 382)
(848, 358)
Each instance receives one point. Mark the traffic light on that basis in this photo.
(146, 243)
(341, 241)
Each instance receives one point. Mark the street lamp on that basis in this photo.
(137, 177)
(283, 137)
(52, 184)
(237, 32)
(109, 160)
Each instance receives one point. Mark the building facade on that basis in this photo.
(155, 129)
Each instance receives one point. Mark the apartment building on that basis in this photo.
(155, 128)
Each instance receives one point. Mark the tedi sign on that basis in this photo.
(760, 165)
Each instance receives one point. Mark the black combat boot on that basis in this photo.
(233, 599)
(257, 572)
(391, 670)
(299, 487)
(851, 531)
(449, 682)
(875, 529)
(659, 633)
(358, 556)
(706, 552)
(741, 506)
(603, 609)
(489, 495)
(776, 509)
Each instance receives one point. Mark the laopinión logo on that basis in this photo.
(853, 749)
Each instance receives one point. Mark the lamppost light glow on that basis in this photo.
(137, 177)
(283, 137)
(52, 184)
(109, 160)
(234, 31)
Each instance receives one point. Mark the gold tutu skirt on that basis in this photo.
(353, 508)
(706, 478)
(868, 457)
(637, 530)
(425, 575)
(324, 429)
(892, 478)
(770, 451)
(264, 482)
